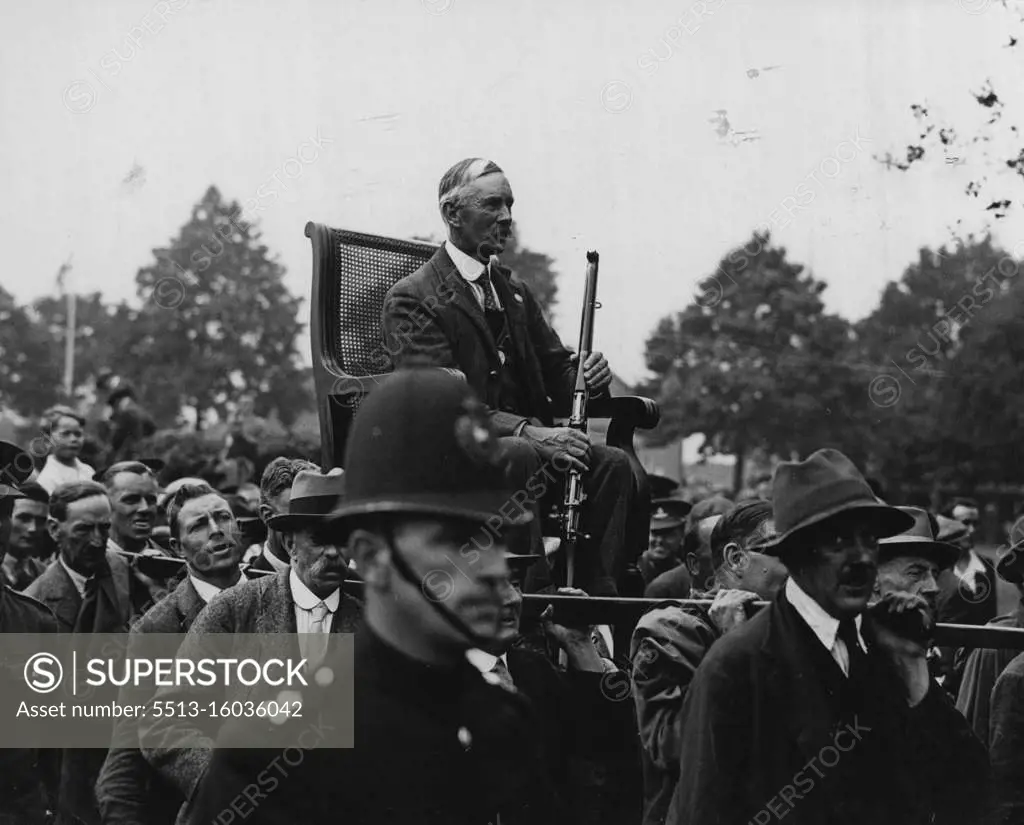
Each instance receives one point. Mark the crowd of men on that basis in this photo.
(828, 704)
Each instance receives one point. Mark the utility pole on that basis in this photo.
(69, 331)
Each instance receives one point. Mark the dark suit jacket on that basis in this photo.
(767, 733)
(432, 318)
(28, 776)
(589, 736)
(129, 791)
(261, 608)
(56, 590)
(80, 766)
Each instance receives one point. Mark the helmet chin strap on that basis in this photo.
(403, 569)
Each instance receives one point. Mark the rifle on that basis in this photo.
(574, 496)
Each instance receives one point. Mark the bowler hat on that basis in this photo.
(16, 467)
(1010, 566)
(314, 497)
(919, 540)
(422, 443)
(825, 484)
(668, 513)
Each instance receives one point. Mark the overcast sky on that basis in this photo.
(603, 115)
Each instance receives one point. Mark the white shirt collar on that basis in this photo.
(275, 562)
(77, 578)
(205, 590)
(484, 661)
(469, 268)
(307, 599)
(824, 625)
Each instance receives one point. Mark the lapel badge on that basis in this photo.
(501, 357)
(465, 738)
(519, 298)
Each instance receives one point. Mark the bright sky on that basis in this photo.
(599, 113)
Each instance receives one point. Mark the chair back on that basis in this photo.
(352, 272)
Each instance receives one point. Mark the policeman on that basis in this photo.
(429, 512)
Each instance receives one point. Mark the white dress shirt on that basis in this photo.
(969, 576)
(470, 269)
(305, 600)
(55, 473)
(205, 590)
(824, 625)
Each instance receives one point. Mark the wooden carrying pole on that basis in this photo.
(596, 610)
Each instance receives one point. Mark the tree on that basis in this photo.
(100, 330)
(755, 362)
(216, 322)
(30, 379)
(534, 268)
(917, 336)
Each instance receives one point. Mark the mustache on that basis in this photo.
(858, 574)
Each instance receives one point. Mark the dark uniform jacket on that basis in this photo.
(668, 646)
(432, 318)
(261, 608)
(773, 729)
(433, 747)
(129, 791)
(589, 735)
(28, 777)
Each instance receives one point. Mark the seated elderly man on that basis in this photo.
(462, 310)
(670, 642)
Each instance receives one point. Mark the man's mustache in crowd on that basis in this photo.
(857, 574)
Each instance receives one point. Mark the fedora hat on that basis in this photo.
(950, 529)
(806, 493)
(422, 443)
(314, 497)
(919, 540)
(1010, 566)
(668, 513)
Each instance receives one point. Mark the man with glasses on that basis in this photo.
(814, 711)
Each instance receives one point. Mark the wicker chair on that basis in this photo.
(352, 273)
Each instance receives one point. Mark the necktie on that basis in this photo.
(504, 678)
(490, 305)
(316, 643)
(854, 652)
(99, 612)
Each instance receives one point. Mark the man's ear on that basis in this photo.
(693, 564)
(735, 558)
(265, 512)
(452, 214)
(288, 543)
(372, 556)
(53, 528)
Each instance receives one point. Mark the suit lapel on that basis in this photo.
(450, 280)
(62, 596)
(796, 676)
